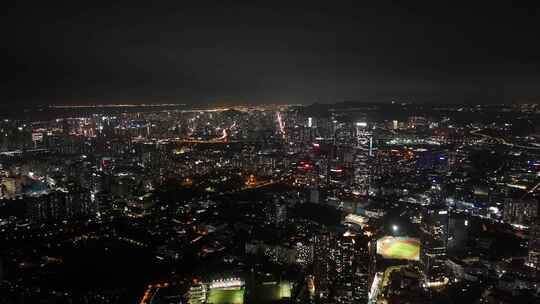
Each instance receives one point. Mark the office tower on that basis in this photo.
(362, 161)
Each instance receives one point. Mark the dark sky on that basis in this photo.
(290, 52)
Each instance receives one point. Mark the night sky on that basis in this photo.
(288, 52)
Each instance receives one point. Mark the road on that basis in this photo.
(503, 141)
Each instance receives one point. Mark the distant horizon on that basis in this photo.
(238, 104)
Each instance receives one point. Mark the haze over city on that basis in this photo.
(286, 52)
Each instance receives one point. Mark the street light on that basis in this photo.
(394, 228)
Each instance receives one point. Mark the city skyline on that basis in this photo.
(341, 203)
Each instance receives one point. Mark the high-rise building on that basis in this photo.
(11, 187)
(322, 265)
(314, 195)
(533, 257)
(276, 213)
(432, 258)
(103, 202)
(436, 222)
(520, 212)
(361, 275)
(79, 202)
(362, 161)
(340, 267)
(60, 204)
(197, 294)
(458, 233)
(304, 253)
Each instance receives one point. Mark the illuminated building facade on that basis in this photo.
(340, 267)
(362, 159)
(533, 257)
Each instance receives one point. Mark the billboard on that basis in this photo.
(400, 248)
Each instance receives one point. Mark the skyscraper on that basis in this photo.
(533, 257)
(340, 267)
(361, 164)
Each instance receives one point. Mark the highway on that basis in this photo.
(503, 141)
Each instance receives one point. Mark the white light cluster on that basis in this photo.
(227, 283)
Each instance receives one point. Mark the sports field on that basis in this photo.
(272, 292)
(402, 248)
(226, 296)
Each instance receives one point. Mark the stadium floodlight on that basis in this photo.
(395, 228)
(361, 124)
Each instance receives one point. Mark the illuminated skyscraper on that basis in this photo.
(364, 151)
(340, 267)
(533, 258)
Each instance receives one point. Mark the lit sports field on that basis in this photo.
(272, 292)
(226, 296)
(402, 248)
